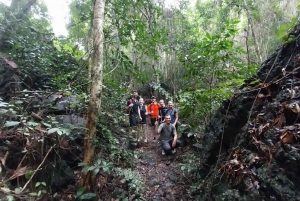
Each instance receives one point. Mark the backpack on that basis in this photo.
(130, 101)
(128, 109)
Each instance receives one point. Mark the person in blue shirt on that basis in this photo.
(173, 113)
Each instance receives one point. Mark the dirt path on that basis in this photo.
(162, 175)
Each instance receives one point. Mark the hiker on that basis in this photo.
(133, 111)
(153, 110)
(173, 113)
(168, 136)
(162, 111)
(142, 123)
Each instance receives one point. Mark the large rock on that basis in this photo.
(9, 78)
(75, 124)
(251, 148)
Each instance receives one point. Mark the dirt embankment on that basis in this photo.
(252, 147)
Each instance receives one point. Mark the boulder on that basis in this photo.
(9, 78)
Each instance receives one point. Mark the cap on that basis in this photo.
(153, 97)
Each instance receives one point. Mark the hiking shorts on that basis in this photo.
(143, 121)
(153, 120)
(133, 120)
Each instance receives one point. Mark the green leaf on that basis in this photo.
(82, 164)
(18, 190)
(33, 194)
(254, 82)
(11, 123)
(87, 196)
(31, 123)
(91, 168)
(18, 102)
(47, 125)
(80, 191)
(208, 35)
(53, 130)
(10, 198)
(28, 174)
(85, 169)
(37, 184)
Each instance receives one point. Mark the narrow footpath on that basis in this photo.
(162, 175)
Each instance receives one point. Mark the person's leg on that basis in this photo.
(178, 144)
(133, 125)
(139, 131)
(166, 146)
(130, 125)
(156, 127)
(144, 132)
(153, 127)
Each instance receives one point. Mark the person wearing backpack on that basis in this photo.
(143, 115)
(153, 110)
(133, 111)
(173, 113)
(162, 111)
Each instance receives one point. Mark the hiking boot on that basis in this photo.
(163, 152)
(173, 151)
(154, 139)
(145, 140)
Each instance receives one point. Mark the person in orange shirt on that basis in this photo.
(153, 110)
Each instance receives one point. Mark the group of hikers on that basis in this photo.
(163, 120)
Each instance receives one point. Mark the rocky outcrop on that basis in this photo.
(251, 150)
(9, 78)
(52, 125)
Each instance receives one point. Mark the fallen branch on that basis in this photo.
(37, 169)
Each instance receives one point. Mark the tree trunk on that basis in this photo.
(251, 27)
(87, 179)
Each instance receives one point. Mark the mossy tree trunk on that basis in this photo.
(87, 179)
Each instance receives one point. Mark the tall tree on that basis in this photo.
(96, 89)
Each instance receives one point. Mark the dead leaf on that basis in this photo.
(287, 137)
(256, 184)
(281, 120)
(3, 159)
(260, 97)
(275, 121)
(249, 187)
(18, 172)
(294, 107)
(290, 128)
(240, 179)
(234, 161)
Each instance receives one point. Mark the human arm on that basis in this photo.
(149, 109)
(160, 127)
(176, 118)
(175, 137)
(129, 104)
(146, 108)
(139, 112)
